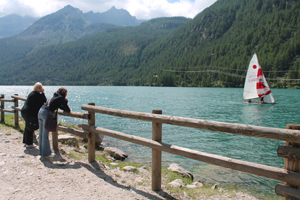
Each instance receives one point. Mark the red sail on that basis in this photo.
(260, 86)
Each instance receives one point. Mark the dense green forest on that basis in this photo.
(212, 50)
(222, 39)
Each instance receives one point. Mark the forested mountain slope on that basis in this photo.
(108, 58)
(222, 39)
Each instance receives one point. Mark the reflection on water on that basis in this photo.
(217, 104)
(252, 113)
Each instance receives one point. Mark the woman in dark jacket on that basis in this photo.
(58, 100)
(30, 110)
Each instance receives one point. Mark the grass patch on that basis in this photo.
(68, 125)
(101, 156)
(10, 122)
(170, 176)
(77, 156)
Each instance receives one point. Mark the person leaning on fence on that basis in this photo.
(59, 100)
(29, 112)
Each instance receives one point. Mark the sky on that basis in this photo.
(141, 9)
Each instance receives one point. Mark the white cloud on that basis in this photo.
(141, 9)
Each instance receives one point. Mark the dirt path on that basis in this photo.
(24, 175)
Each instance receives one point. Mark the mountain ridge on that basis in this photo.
(211, 50)
(15, 24)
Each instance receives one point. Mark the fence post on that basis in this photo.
(289, 164)
(2, 107)
(55, 140)
(16, 112)
(91, 136)
(156, 154)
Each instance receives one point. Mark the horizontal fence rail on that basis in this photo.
(253, 168)
(240, 129)
(18, 97)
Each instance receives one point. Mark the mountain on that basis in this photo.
(213, 49)
(107, 58)
(65, 25)
(14, 24)
(119, 17)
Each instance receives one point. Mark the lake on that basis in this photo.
(217, 104)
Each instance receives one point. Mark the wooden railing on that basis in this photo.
(290, 175)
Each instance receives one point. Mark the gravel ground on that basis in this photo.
(25, 175)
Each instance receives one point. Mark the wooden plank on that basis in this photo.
(55, 141)
(291, 164)
(6, 100)
(7, 110)
(1, 108)
(16, 108)
(74, 114)
(240, 129)
(287, 192)
(156, 154)
(16, 116)
(19, 98)
(289, 152)
(91, 136)
(248, 167)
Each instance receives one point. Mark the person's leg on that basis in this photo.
(41, 129)
(46, 144)
(25, 134)
(28, 136)
(44, 135)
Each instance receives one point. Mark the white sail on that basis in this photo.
(251, 79)
(256, 84)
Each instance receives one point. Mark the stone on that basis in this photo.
(98, 139)
(20, 155)
(68, 139)
(198, 184)
(2, 163)
(116, 153)
(129, 168)
(177, 169)
(215, 186)
(143, 170)
(176, 183)
(191, 186)
(114, 164)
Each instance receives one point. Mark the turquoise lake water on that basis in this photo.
(217, 104)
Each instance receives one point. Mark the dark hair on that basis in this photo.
(62, 91)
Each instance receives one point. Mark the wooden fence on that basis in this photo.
(290, 175)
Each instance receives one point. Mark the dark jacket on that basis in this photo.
(32, 105)
(57, 101)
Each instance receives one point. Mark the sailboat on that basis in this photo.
(256, 85)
